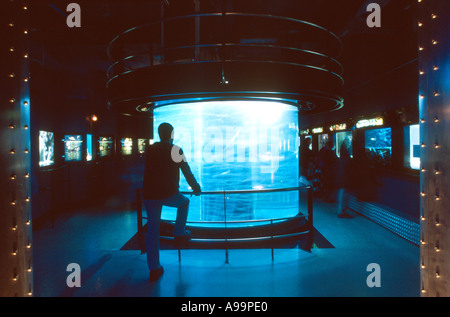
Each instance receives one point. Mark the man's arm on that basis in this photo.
(178, 157)
(184, 166)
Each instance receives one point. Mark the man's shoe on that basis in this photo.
(184, 238)
(155, 274)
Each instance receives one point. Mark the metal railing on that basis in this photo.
(307, 228)
(158, 25)
(221, 48)
(186, 55)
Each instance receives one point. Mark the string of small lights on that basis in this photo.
(16, 218)
(433, 212)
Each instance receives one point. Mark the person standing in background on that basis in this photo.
(344, 179)
(306, 156)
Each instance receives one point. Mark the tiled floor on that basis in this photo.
(93, 238)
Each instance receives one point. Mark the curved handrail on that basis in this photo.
(233, 45)
(108, 51)
(321, 94)
(248, 191)
(248, 61)
(246, 221)
(261, 238)
(223, 14)
(286, 52)
(52, 168)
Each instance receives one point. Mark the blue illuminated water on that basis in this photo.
(236, 145)
(89, 148)
(378, 146)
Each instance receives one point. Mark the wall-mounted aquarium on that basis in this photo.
(344, 138)
(73, 148)
(105, 146)
(142, 145)
(89, 148)
(127, 146)
(322, 140)
(237, 145)
(46, 148)
(412, 146)
(378, 146)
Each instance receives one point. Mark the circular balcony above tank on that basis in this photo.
(229, 55)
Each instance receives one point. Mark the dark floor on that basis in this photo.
(93, 238)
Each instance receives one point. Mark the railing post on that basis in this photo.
(69, 186)
(225, 221)
(139, 218)
(52, 197)
(271, 238)
(310, 216)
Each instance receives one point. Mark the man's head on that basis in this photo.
(165, 131)
(330, 144)
(308, 141)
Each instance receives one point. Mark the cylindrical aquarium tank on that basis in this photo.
(236, 145)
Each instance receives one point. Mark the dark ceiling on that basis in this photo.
(103, 19)
(81, 52)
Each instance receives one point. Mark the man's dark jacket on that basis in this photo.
(162, 171)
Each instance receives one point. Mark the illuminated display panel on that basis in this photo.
(378, 146)
(369, 123)
(322, 140)
(338, 127)
(304, 132)
(236, 145)
(105, 146)
(89, 147)
(413, 146)
(46, 148)
(340, 138)
(142, 144)
(73, 148)
(127, 146)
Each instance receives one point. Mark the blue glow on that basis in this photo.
(340, 138)
(414, 146)
(127, 146)
(378, 146)
(236, 145)
(142, 144)
(46, 148)
(73, 148)
(88, 147)
(105, 146)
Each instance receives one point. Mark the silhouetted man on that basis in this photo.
(163, 162)
(328, 163)
(306, 156)
(344, 179)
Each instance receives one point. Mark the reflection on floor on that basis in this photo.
(93, 238)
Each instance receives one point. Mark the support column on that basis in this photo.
(197, 29)
(16, 276)
(434, 112)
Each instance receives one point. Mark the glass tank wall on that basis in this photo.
(73, 148)
(236, 145)
(378, 146)
(46, 148)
